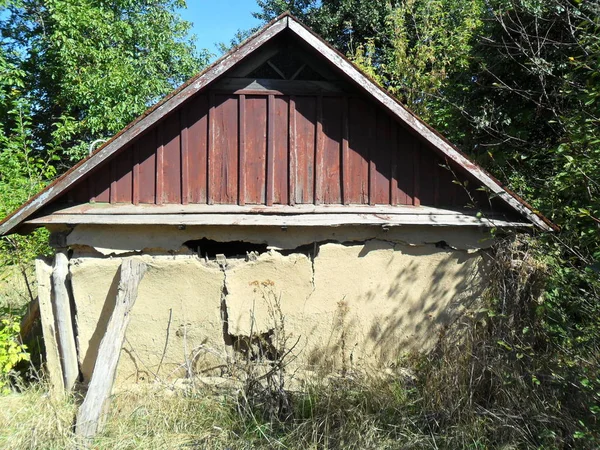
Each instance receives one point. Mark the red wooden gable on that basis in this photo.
(271, 149)
(282, 124)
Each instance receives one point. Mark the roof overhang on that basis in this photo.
(282, 216)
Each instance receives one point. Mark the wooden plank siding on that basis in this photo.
(269, 149)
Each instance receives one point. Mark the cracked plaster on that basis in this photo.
(356, 304)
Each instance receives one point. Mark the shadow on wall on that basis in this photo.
(383, 324)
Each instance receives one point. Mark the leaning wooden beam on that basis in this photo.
(43, 273)
(64, 320)
(92, 413)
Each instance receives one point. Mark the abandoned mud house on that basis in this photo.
(281, 182)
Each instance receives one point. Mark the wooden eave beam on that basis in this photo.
(280, 220)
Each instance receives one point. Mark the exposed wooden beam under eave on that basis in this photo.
(298, 220)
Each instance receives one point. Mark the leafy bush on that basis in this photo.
(12, 351)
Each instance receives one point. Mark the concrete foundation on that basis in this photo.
(342, 298)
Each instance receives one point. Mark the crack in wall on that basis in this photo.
(227, 338)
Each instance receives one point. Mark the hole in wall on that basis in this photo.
(206, 248)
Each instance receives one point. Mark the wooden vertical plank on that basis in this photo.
(43, 273)
(319, 154)
(446, 190)
(242, 157)
(224, 160)
(255, 167)
(197, 125)
(381, 157)
(360, 120)
(346, 181)
(210, 149)
(372, 156)
(172, 160)
(102, 183)
(428, 174)
(437, 173)
(80, 192)
(94, 409)
(64, 320)
(92, 189)
(113, 181)
(293, 152)
(415, 150)
(270, 150)
(332, 151)
(147, 167)
(124, 176)
(394, 194)
(306, 138)
(281, 153)
(160, 164)
(136, 174)
(185, 160)
(405, 169)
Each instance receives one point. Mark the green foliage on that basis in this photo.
(11, 351)
(91, 67)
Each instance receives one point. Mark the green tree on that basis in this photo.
(91, 66)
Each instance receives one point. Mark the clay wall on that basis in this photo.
(346, 298)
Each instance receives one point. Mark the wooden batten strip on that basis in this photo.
(242, 150)
(346, 181)
(160, 150)
(394, 200)
(135, 175)
(210, 148)
(270, 150)
(293, 151)
(319, 153)
(416, 154)
(185, 158)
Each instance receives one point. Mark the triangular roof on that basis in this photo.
(359, 79)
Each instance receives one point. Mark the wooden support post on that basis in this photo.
(64, 320)
(92, 413)
(43, 273)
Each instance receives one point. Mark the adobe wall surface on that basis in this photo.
(358, 298)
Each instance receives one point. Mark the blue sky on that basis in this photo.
(218, 20)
